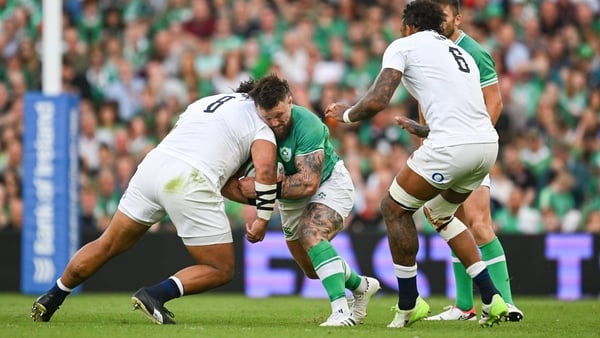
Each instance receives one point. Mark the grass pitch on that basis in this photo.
(225, 315)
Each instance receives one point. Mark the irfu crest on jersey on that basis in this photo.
(285, 153)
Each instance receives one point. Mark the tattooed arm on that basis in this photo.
(305, 182)
(375, 99)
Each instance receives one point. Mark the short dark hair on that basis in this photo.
(424, 15)
(266, 92)
(454, 5)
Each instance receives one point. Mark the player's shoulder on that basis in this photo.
(304, 115)
(470, 45)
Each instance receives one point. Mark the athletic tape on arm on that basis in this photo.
(265, 199)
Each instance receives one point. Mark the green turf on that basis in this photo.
(109, 315)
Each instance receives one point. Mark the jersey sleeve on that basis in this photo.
(310, 134)
(265, 133)
(487, 70)
(395, 56)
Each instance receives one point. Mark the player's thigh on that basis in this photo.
(291, 214)
(193, 202)
(422, 175)
(121, 234)
(139, 201)
(336, 196)
(219, 256)
(475, 213)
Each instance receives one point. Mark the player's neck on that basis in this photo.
(455, 35)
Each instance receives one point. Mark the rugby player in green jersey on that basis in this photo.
(315, 197)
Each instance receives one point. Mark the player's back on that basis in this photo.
(215, 134)
(445, 80)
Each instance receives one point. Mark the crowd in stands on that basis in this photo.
(136, 64)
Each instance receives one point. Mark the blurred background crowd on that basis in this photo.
(136, 64)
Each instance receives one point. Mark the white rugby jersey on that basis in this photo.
(444, 78)
(215, 133)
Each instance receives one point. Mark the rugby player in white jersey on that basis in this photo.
(183, 177)
(475, 211)
(457, 154)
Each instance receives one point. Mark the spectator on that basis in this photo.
(89, 143)
(109, 122)
(107, 199)
(516, 216)
(231, 74)
(557, 203)
(126, 90)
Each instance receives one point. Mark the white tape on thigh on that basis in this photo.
(404, 199)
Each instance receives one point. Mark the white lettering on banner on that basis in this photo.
(44, 270)
(264, 279)
(568, 251)
(43, 173)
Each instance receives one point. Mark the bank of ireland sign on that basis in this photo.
(50, 192)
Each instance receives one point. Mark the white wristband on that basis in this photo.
(346, 116)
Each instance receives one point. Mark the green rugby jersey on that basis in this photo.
(483, 59)
(308, 135)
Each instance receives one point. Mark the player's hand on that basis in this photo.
(247, 188)
(412, 126)
(336, 111)
(256, 231)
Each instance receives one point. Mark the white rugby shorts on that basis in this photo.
(164, 185)
(460, 167)
(337, 192)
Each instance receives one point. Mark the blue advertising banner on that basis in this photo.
(50, 192)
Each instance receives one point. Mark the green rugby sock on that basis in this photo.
(352, 279)
(330, 269)
(492, 254)
(464, 285)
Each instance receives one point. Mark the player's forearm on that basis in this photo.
(377, 97)
(232, 191)
(299, 186)
(493, 101)
(495, 109)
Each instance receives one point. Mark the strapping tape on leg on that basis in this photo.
(441, 215)
(404, 199)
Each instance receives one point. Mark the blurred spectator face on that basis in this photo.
(13, 183)
(15, 205)
(87, 198)
(515, 200)
(268, 20)
(14, 154)
(108, 114)
(593, 222)
(3, 95)
(88, 124)
(137, 127)
(584, 14)
(106, 182)
(548, 13)
(232, 65)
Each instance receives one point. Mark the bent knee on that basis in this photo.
(224, 275)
